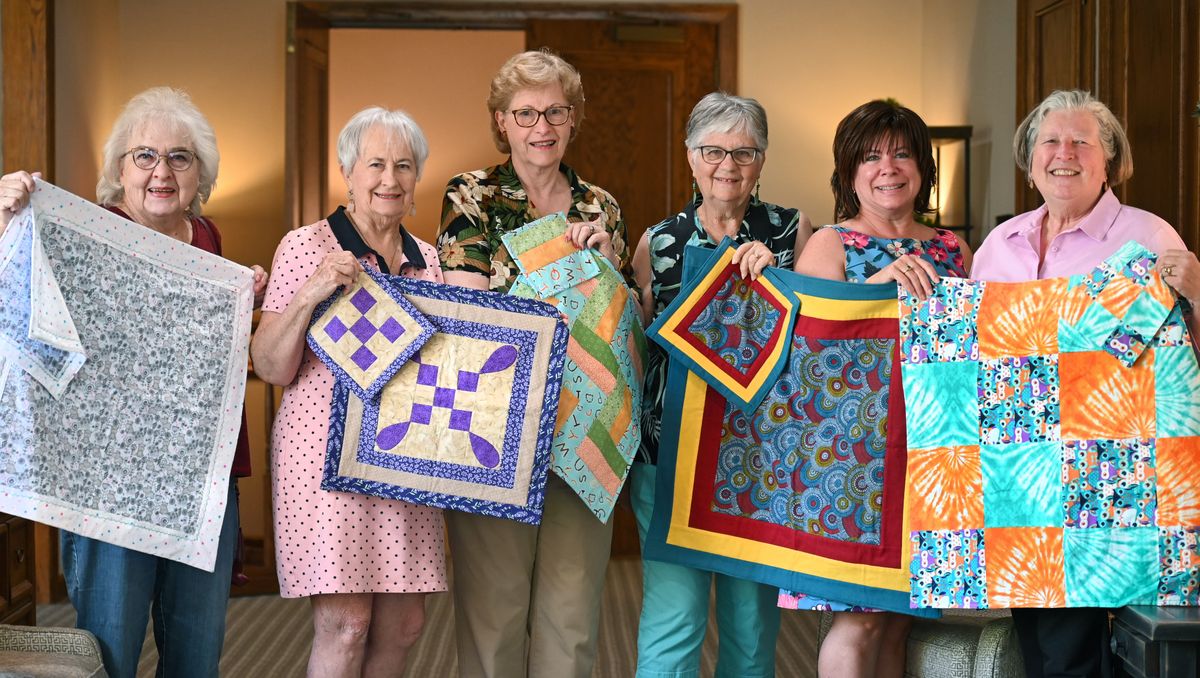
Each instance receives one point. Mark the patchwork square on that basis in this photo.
(942, 404)
(948, 569)
(1178, 475)
(1019, 399)
(943, 328)
(1103, 399)
(1137, 329)
(366, 334)
(1176, 381)
(1179, 557)
(550, 263)
(1019, 319)
(1022, 484)
(737, 325)
(1109, 483)
(945, 483)
(1104, 565)
(1025, 567)
(1088, 331)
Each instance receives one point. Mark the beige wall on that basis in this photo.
(808, 61)
(446, 96)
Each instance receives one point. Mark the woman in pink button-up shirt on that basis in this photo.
(1073, 149)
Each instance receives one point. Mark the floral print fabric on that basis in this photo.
(480, 207)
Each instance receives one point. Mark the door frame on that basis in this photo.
(309, 24)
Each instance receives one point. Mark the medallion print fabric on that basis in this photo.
(123, 370)
(465, 423)
(1054, 441)
(737, 340)
(806, 491)
(367, 334)
(596, 432)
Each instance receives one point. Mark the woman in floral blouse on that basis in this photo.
(727, 144)
(882, 178)
(527, 598)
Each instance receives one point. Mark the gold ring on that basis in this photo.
(1169, 269)
(908, 268)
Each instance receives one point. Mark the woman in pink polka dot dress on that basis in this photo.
(366, 563)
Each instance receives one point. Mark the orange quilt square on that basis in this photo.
(1178, 467)
(945, 488)
(1024, 567)
(1102, 399)
(1020, 319)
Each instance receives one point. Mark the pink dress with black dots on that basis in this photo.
(336, 542)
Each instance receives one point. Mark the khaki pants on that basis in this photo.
(527, 598)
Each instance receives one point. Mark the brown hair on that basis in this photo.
(860, 132)
(531, 70)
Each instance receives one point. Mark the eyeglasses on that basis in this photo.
(147, 158)
(555, 115)
(715, 155)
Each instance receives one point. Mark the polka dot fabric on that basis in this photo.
(335, 542)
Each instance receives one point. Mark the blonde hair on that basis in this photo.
(532, 70)
(171, 107)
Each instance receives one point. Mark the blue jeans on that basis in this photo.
(114, 589)
(675, 610)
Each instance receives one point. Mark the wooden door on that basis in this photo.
(641, 82)
(1055, 50)
(1148, 77)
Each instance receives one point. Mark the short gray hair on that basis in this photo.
(171, 107)
(399, 123)
(1118, 156)
(720, 113)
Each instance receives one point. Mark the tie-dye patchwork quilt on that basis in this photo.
(465, 419)
(122, 372)
(806, 490)
(596, 432)
(1054, 441)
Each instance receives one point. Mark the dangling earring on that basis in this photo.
(350, 200)
(412, 211)
(695, 191)
(1031, 181)
(757, 185)
(1104, 189)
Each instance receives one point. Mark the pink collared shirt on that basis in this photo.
(1010, 253)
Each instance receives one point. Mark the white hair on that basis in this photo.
(399, 123)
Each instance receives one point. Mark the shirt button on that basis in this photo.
(1054, 249)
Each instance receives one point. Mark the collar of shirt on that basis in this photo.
(350, 240)
(582, 200)
(1095, 224)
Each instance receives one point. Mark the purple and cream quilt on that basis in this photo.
(466, 417)
(597, 431)
(122, 372)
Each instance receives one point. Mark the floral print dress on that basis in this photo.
(772, 225)
(481, 206)
(866, 255)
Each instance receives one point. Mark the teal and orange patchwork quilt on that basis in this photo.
(1053, 441)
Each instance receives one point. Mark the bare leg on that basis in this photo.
(893, 650)
(340, 625)
(396, 625)
(851, 648)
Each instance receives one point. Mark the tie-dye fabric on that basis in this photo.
(122, 372)
(1054, 441)
(596, 432)
(466, 422)
(805, 492)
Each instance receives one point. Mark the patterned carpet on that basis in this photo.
(270, 636)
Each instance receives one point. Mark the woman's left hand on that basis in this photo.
(1181, 271)
(751, 258)
(589, 235)
(260, 284)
